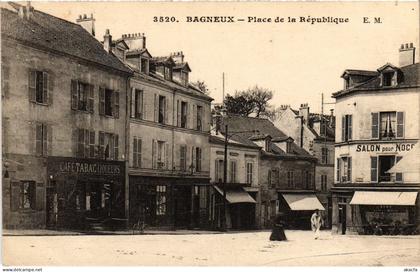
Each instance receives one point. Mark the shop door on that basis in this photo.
(342, 213)
(182, 206)
(52, 206)
(98, 199)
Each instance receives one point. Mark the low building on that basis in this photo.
(377, 126)
(63, 124)
(316, 134)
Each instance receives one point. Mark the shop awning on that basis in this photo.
(410, 163)
(384, 198)
(303, 202)
(237, 195)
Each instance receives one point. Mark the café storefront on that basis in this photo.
(85, 194)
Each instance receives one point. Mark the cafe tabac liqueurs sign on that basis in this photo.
(93, 168)
(397, 147)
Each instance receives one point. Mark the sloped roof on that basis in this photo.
(183, 65)
(359, 72)
(138, 52)
(234, 141)
(50, 33)
(410, 78)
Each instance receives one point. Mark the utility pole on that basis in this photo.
(223, 88)
(224, 179)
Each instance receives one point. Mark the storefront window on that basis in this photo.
(161, 200)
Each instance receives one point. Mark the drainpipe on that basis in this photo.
(127, 149)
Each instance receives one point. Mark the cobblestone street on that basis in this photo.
(230, 249)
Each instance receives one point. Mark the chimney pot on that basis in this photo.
(407, 54)
(84, 16)
(411, 45)
(406, 46)
(402, 46)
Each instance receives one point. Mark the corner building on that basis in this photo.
(377, 126)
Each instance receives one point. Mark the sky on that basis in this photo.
(297, 61)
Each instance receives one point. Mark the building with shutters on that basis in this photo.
(169, 129)
(63, 124)
(377, 125)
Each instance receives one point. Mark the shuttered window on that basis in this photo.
(85, 143)
(183, 158)
(137, 150)
(347, 128)
(374, 169)
(198, 159)
(338, 173)
(349, 169)
(109, 102)
(39, 87)
(43, 138)
(233, 171)
(137, 104)
(249, 172)
(108, 146)
(290, 179)
(82, 96)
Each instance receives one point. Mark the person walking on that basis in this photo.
(316, 222)
(277, 233)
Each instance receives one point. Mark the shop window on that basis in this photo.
(233, 171)
(161, 200)
(249, 172)
(137, 150)
(346, 128)
(81, 96)
(109, 102)
(219, 168)
(38, 87)
(290, 179)
(27, 195)
(184, 114)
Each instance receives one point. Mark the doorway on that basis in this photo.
(52, 205)
(385, 163)
(342, 214)
(98, 199)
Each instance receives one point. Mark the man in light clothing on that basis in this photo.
(316, 222)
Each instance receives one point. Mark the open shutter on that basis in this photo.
(86, 143)
(45, 83)
(75, 141)
(32, 85)
(155, 118)
(178, 113)
(167, 155)
(40, 196)
(74, 98)
(154, 154)
(50, 96)
(375, 125)
(193, 159)
(349, 166)
(166, 106)
(80, 142)
(101, 101)
(133, 103)
(216, 171)
(90, 98)
(343, 128)
(116, 144)
(338, 171)
(116, 112)
(398, 176)
(350, 127)
(134, 152)
(101, 141)
(374, 169)
(38, 140)
(139, 149)
(400, 124)
(142, 105)
(199, 160)
(49, 139)
(194, 117)
(15, 195)
(92, 144)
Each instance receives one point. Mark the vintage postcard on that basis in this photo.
(263, 134)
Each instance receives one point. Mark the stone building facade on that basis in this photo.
(377, 126)
(63, 128)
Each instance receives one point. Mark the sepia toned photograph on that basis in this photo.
(210, 134)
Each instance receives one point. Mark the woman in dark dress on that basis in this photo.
(278, 229)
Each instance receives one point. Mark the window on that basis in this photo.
(162, 109)
(249, 172)
(81, 96)
(85, 143)
(108, 145)
(38, 87)
(323, 183)
(184, 78)
(275, 176)
(137, 147)
(138, 104)
(346, 128)
(184, 114)
(344, 169)
(199, 118)
(198, 159)
(387, 125)
(288, 147)
(233, 171)
(219, 168)
(384, 163)
(27, 195)
(324, 155)
(389, 78)
(168, 73)
(41, 139)
(160, 154)
(183, 157)
(109, 103)
(307, 179)
(144, 66)
(160, 199)
(290, 179)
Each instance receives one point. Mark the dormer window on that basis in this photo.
(289, 147)
(184, 78)
(347, 83)
(144, 66)
(268, 144)
(388, 78)
(168, 73)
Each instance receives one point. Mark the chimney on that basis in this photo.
(407, 54)
(304, 112)
(88, 23)
(24, 12)
(135, 40)
(178, 57)
(107, 41)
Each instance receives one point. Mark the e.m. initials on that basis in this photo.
(375, 20)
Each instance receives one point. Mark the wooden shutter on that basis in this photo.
(45, 86)
(216, 171)
(178, 113)
(375, 125)
(101, 101)
(343, 128)
(350, 127)
(90, 98)
(374, 169)
(192, 158)
(199, 160)
(75, 142)
(49, 131)
(398, 176)
(194, 117)
(116, 108)
(139, 150)
(101, 141)
(135, 164)
(74, 95)
(338, 178)
(80, 142)
(116, 145)
(349, 166)
(154, 157)
(39, 196)
(38, 140)
(156, 113)
(32, 85)
(133, 103)
(15, 195)
(167, 155)
(400, 124)
(51, 80)
(92, 144)
(165, 106)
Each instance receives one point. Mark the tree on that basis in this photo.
(260, 97)
(239, 104)
(202, 86)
